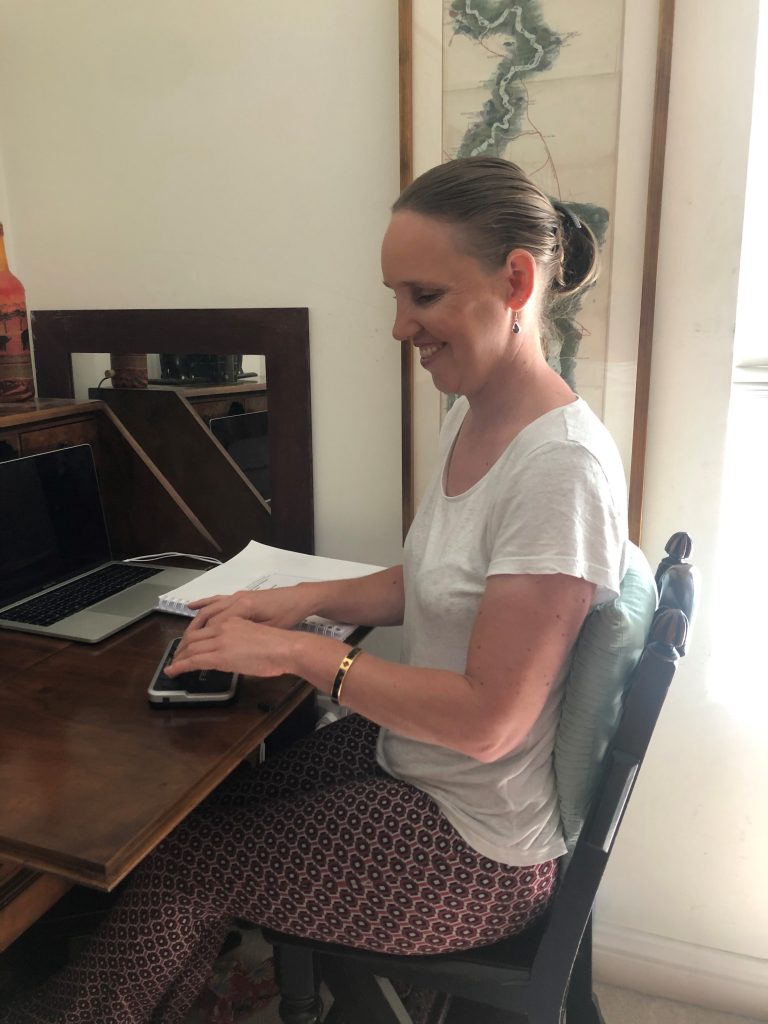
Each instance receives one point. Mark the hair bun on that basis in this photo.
(579, 265)
(567, 214)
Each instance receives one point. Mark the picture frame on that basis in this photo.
(645, 79)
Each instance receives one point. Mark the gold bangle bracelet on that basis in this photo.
(344, 667)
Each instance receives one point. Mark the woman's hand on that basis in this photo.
(282, 606)
(233, 644)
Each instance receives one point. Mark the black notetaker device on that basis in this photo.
(207, 688)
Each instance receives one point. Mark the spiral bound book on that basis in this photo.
(261, 567)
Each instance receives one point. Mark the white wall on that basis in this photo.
(690, 862)
(232, 154)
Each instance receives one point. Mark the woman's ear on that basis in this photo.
(520, 269)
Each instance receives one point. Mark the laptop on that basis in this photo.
(57, 574)
(245, 436)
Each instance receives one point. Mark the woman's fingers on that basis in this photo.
(234, 645)
(281, 607)
(210, 608)
(202, 602)
(194, 659)
(192, 649)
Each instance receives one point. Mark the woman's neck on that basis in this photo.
(518, 394)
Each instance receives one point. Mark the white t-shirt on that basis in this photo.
(554, 502)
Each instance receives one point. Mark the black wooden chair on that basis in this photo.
(544, 975)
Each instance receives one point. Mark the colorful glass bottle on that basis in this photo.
(16, 381)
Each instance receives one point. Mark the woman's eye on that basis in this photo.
(425, 298)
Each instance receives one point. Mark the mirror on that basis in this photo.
(89, 370)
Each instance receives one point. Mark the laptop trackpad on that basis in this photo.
(140, 598)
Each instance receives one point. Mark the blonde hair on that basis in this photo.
(497, 208)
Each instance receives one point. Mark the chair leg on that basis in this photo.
(463, 1011)
(582, 1006)
(360, 997)
(335, 1016)
(295, 972)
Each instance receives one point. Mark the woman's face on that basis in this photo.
(452, 308)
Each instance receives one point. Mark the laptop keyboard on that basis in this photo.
(73, 597)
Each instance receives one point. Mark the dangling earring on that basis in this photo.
(515, 323)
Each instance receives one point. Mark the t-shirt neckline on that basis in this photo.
(470, 490)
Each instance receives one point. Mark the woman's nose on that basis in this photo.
(404, 326)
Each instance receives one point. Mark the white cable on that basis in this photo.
(172, 554)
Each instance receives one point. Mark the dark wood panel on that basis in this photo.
(281, 335)
(207, 406)
(25, 895)
(47, 438)
(39, 410)
(405, 40)
(91, 777)
(650, 266)
(176, 439)
(9, 444)
(143, 511)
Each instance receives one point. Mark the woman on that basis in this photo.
(427, 821)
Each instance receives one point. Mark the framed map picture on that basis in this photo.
(568, 90)
(538, 83)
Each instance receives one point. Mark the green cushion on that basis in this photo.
(608, 648)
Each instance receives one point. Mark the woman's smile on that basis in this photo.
(426, 352)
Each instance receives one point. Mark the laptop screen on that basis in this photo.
(51, 521)
(245, 436)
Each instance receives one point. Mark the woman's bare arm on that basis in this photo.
(523, 633)
(374, 600)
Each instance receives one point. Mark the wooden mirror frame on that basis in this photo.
(650, 257)
(405, 41)
(280, 335)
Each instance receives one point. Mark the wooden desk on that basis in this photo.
(92, 777)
